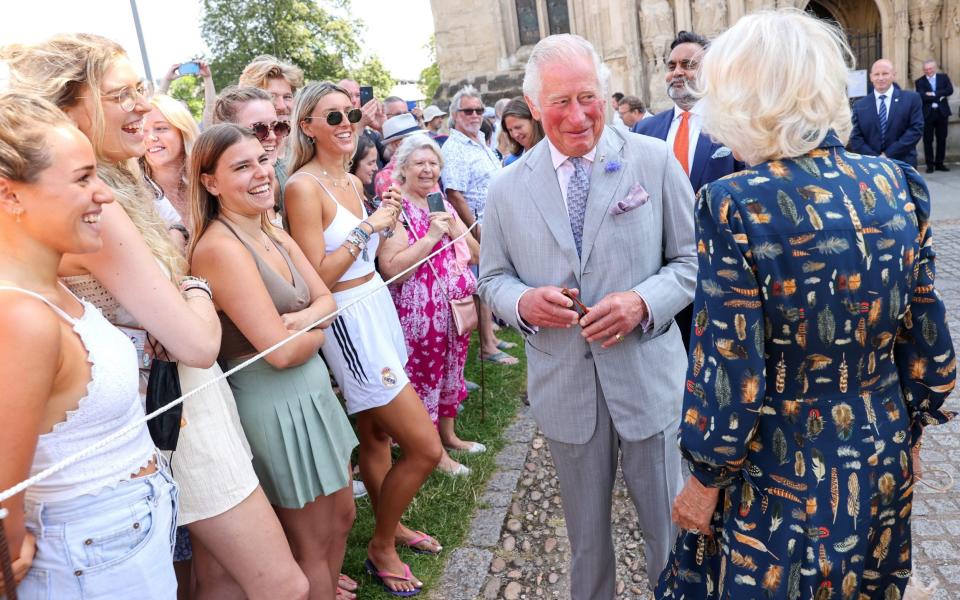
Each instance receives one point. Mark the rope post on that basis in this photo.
(9, 584)
(483, 386)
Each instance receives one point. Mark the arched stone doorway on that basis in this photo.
(861, 21)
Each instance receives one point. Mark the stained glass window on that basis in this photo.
(529, 22)
(558, 16)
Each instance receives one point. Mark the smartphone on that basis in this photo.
(366, 94)
(189, 68)
(577, 305)
(435, 202)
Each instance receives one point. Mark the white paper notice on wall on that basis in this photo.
(857, 83)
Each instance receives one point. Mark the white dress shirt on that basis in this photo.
(695, 124)
(933, 88)
(565, 168)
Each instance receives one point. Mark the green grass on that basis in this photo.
(444, 506)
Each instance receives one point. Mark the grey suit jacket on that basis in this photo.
(527, 242)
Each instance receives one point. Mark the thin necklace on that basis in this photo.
(341, 183)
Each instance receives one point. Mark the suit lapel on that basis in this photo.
(892, 106)
(700, 158)
(544, 189)
(663, 123)
(603, 187)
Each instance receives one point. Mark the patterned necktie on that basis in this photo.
(882, 113)
(681, 143)
(577, 190)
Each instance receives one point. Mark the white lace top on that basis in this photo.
(112, 402)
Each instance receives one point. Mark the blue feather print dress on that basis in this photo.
(819, 352)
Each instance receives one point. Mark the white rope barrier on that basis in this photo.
(66, 462)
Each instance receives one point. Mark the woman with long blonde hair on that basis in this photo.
(170, 132)
(367, 354)
(133, 280)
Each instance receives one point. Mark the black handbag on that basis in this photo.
(163, 387)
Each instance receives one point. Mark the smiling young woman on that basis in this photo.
(169, 133)
(71, 377)
(327, 217)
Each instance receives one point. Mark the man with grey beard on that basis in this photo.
(702, 159)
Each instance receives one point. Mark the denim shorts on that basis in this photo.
(117, 543)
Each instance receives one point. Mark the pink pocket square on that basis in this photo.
(635, 198)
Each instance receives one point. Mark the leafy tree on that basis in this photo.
(430, 76)
(308, 33)
(372, 72)
(189, 90)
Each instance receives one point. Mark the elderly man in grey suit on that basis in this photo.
(609, 216)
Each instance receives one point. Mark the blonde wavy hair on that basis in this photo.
(204, 206)
(302, 148)
(266, 67)
(775, 84)
(178, 115)
(25, 121)
(60, 70)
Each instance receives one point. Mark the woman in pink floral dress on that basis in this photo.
(436, 351)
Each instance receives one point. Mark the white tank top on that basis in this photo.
(340, 227)
(112, 402)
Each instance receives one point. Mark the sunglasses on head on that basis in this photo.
(262, 130)
(472, 111)
(336, 117)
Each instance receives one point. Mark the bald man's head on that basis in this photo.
(882, 75)
(353, 89)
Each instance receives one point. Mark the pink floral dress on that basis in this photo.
(436, 352)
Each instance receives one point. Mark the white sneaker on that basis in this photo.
(359, 490)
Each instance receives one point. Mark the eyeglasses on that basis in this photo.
(336, 117)
(472, 111)
(262, 130)
(127, 97)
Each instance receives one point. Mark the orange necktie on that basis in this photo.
(681, 143)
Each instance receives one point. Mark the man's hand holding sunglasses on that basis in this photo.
(547, 306)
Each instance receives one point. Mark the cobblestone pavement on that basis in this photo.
(518, 548)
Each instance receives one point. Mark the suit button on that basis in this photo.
(588, 354)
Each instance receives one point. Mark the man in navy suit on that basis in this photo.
(888, 122)
(682, 128)
(934, 89)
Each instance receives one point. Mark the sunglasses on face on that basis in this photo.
(262, 130)
(336, 117)
(472, 111)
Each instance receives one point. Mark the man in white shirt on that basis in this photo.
(888, 122)
(702, 159)
(609, 216)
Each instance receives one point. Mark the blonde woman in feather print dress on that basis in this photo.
(820, 349)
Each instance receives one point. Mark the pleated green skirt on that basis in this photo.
(299, 434)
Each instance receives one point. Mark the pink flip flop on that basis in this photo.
(421, 537)
(379, 575)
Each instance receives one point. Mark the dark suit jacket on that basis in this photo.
(944, 89)
(904, 127)
(708, 164)
(711, 161)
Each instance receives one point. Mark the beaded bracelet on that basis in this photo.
(359, 238)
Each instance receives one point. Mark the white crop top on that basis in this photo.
(112, 402)
(340, 227)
